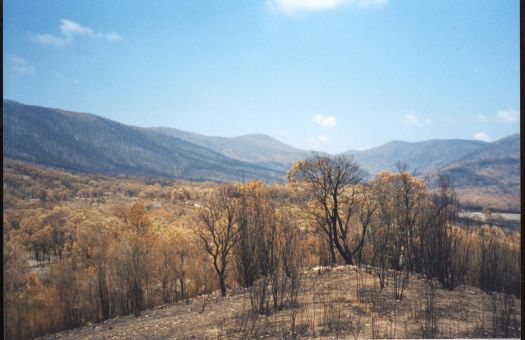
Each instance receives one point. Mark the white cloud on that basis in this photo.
(317, 143)
(482, 136)
(508, 116)
(412, 119)
(70, 30)
(21, 66)
(328, 121)
(292, 7)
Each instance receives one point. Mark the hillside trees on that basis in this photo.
(400, 199)
(218, 230)
(333, 183)
(256, 231)
(15, 281)
(252, 225)
(134, 266)
(445, 248)
(267, 251)
(499, 261)
(173, 252)
(415, 230)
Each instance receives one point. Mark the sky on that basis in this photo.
(329, 75)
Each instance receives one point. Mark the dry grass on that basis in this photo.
(343, 302)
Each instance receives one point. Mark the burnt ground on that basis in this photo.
(343, 302)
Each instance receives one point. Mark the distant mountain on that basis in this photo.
(254, 148)
(88, 143)
(489, 177)
(421, 157)
(485, 174)
(498, 163)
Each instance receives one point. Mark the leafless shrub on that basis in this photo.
(504, 322)
(399, 279)
(430, 327)
(247, 325)
(445, 248)
(333, 319)
(260, 295)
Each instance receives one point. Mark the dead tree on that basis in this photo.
(217, 231)
(333, 183)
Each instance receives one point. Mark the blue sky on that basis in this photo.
(330, 75)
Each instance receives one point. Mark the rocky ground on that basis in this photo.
(343, 302)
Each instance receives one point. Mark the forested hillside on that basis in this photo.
(88, 143)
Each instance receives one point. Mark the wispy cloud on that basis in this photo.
(482, 136)
(21, 66)
(70, 30)
(111, 36)
(317, 143)
(508, 116)
(328, 121)
(412, 119)
(292, 7)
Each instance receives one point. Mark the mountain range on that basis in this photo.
(89, 143)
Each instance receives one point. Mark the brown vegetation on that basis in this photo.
(117, 246)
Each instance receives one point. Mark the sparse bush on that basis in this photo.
(445, 247)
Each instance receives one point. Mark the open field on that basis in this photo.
(481, 217)
(504, 220)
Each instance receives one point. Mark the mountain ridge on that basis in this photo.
(89, 143)
(420, 156)
(97, 144)
(255, 148)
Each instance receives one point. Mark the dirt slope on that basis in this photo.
(342, 302)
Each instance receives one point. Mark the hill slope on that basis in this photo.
(498, 163)
(323, 310)
(421, 157)
(489, 177)
(485, 174)
(254, 148)
(88, 143)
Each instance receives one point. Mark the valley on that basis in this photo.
(486, 175)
